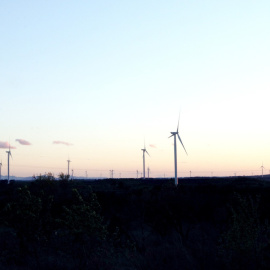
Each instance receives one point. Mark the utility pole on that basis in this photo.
(68, 166)
(262, 169)
(9, 154)
(143, 164)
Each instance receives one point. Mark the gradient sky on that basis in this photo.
(91, 80)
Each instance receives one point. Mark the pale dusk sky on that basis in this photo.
(89, 81)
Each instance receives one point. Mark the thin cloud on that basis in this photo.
(153, 145)
(23, 142)
(6, 145)
(61, 142)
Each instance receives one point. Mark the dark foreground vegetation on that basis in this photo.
(135, 224)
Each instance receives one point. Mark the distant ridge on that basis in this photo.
(185, 180)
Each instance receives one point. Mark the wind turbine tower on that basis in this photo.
(144, 151)
(9, 154)
(174, 134)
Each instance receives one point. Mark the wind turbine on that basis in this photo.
(174, 134)
(144, 151)
(9, 154)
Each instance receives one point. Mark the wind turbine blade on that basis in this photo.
(171, 136)
(147, 152)
(178, 122)
(182, 143)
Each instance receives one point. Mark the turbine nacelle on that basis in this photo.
(176, 133)
(9, 153)
(144, 150)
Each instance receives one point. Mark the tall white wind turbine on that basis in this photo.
(144, 151)
(9, 155)
(174, 134)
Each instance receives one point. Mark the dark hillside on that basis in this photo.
(204, 223)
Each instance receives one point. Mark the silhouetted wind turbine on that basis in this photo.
(144, 151)
(174, 134)
(9, 154)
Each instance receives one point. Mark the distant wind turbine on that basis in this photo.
(174, 134)
(144, 151)
(9, 155)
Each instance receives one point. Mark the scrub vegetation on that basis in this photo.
(131, 224)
